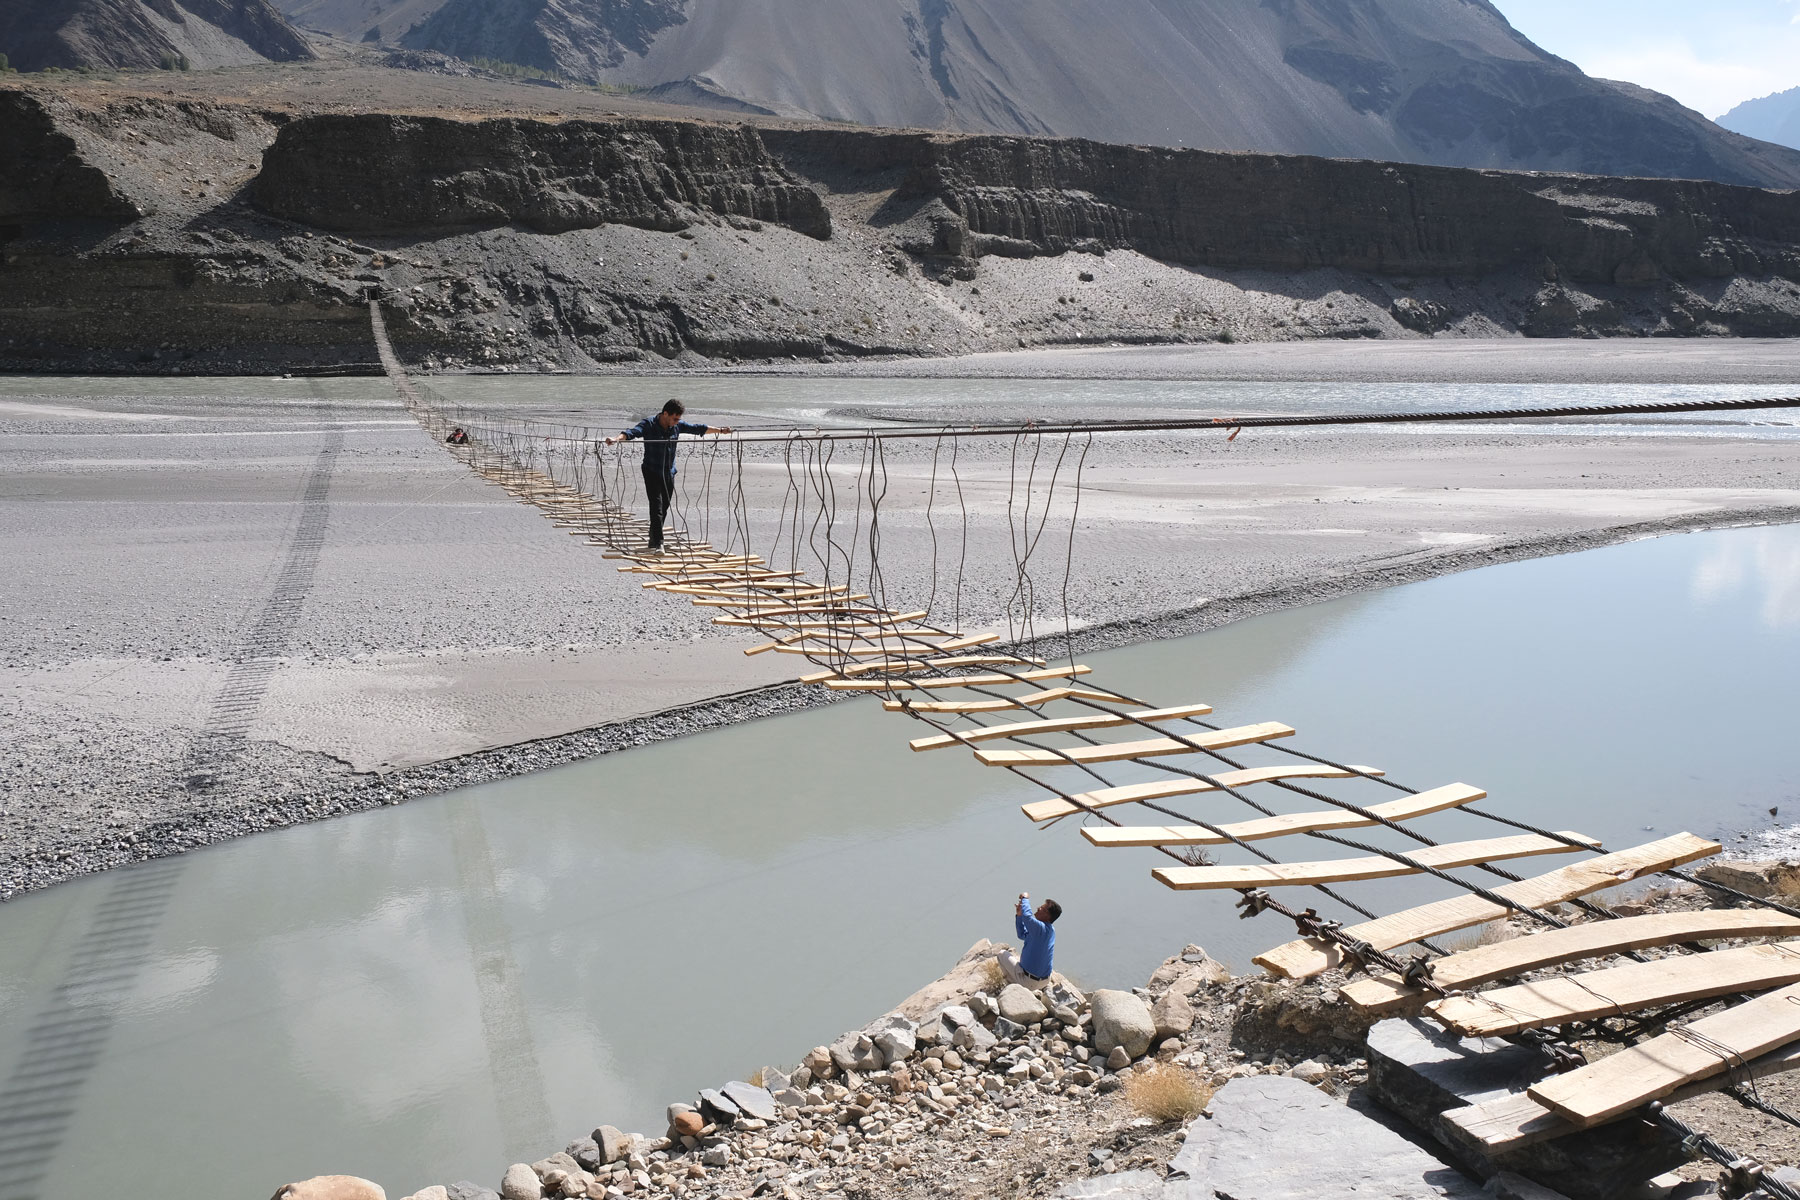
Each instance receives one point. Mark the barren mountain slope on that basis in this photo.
(1437, 81)
(1772, 118)
(35, 34)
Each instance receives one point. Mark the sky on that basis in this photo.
(1708, 54)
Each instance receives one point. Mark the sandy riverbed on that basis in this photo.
(399, 627)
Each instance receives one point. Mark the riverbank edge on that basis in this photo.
(245, 810)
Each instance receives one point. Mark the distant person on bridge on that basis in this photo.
(659, 434)
(1031, 967)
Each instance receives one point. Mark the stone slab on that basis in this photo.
(1274, 1138)
(1419, 1070)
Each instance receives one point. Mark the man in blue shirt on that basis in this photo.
(659, 434)
(1032, 966)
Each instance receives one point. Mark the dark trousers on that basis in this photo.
(659, 490)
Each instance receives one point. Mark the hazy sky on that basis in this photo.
(1708, 54)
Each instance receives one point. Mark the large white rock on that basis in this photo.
(1121, 1019)
(521, 1183)
(333, 1187)
(1021, 1004)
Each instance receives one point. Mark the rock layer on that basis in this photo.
(142, 234)
(377, 173)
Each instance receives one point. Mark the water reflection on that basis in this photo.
(1763, 562)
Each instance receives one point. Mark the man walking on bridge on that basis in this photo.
(659, 434)
(1032, 966)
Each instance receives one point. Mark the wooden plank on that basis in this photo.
(1147, 748)
(872, 618)
(909, 663)
(960, 660)
(779, 604)
(1651, 1070)
(1016, 702)
(780, 590)
(836, 632)
(1350, 870)
(828, 650)
(1516, 1121)
(1616, 990)
(1306, 957)
(839, 684)
(1435, 800)
(1049, 810)
(1387, 994)
(1057, 725)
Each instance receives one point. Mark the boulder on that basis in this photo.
(464, 1190)
(856, 1052)
(1117, 1059)
(341, 1187)
(775, 1080)
(436, 1191)
(1761, 878)
(1508, 1186)
(751, 1101)
(954, 1016)
(560, 1161)
(521, 1183)
(975, 1037)
(687, 1124)
(820, 1063)
(585, 1151)
(615, 1144)
(1310, 1070)
(1008, 1031)
(896, 1037)
(974, 972)
(1121, 1019)
(717, 1107)
(1022, 1005)
(1172, 1015)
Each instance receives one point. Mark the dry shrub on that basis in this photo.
(755, 1078)
(992, 977)
(1167, 1092)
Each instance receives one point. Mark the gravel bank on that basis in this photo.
(244, 604)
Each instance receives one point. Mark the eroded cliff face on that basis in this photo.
(1027, 196)
(150, 235)
(384, 174)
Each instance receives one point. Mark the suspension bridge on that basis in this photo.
(1715, 1006)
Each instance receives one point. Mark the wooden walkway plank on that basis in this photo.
(838, 683)
(1132, 793)
(1350, 870)
(1516, 1121)
(1614, 991)
(1422, 804)
(1387, 994)
(1221, 739)
(899, 662)
(988, 733)
(752, 604)
(898, 666)
(1650, 1070)
(1305, 957)
(1030, 700)
(874, 618)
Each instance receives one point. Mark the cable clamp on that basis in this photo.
(1418, 971)
(1252, 903)
(1740, 1177)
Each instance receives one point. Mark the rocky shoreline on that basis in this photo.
(974, 1087)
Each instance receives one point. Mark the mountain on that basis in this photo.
(1773, 118)
(35, 34)
(1448, 82)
